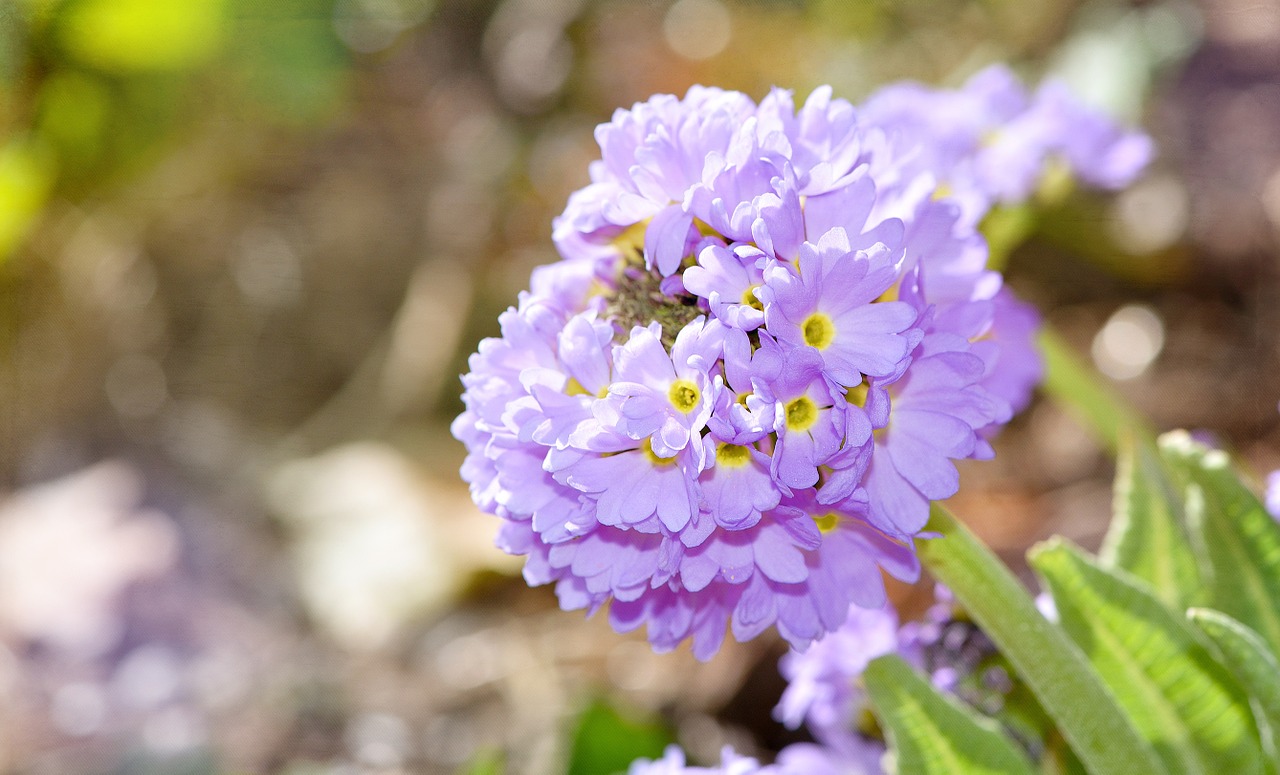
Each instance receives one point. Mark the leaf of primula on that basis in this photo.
(1179, 697)
(1239, 538)
(1053, 667)
(1147, 537)
(933, 735)
(1254, 666)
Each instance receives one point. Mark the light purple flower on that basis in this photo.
(830, 305)
(822, 692)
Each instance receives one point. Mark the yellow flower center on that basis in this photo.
(857, 395)
(802, 413)
(574, 388)
(647, 448)
(749, 298)
(732, 456)
(684, 395)
(826, 522)
(819, 331)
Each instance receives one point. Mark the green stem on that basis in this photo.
(1085, 393)
(1049, 663)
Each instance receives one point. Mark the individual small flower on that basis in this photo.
(810, 415)
(728, 279)
(829, 305)
(663, 398)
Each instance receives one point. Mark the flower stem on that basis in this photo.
(1051, 665)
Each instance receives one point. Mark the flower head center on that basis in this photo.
(732, 455)
(802, 413)
(684, 395)
(819, 331)
(749, 298)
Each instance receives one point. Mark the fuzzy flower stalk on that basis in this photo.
(771, 332)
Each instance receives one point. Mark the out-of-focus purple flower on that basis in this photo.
(989, 142)
(1273, 493)
(864, 758)
(673, 763)
(771, 334)
(822, 691)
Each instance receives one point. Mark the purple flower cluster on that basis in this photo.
(771, 332)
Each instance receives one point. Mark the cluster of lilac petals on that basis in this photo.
(988, 142)
(673, 763)
(771, 334)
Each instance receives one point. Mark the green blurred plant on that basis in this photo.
(93, 92)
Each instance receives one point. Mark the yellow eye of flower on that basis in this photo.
(826, 522)
(749, 298)
(684, 395)
(802, 413)
(647, 448)
(732, 456)
(819, 331)
(857, 395)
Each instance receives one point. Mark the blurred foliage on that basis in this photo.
(604, 740)
(93, 91)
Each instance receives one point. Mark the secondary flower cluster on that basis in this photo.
(771, 333)
(824, 691)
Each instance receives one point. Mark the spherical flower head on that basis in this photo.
(727, 408)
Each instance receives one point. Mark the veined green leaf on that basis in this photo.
(1254, 666)
(1177, 694)
(1233, 529)
(1147, 537)
(933, 735)
(1055, 670)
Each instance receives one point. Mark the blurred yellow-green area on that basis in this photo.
(247, 245)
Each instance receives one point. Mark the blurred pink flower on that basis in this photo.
(68, 548)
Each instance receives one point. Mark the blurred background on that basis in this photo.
(246, 247)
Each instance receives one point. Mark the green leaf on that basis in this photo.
(1254, 666)
(932, 734)
(1073, 695)
(1177, 694)
(1085, 394)
(1147, 537)
(604, 741)
(1239, 538)
(1006, 227)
